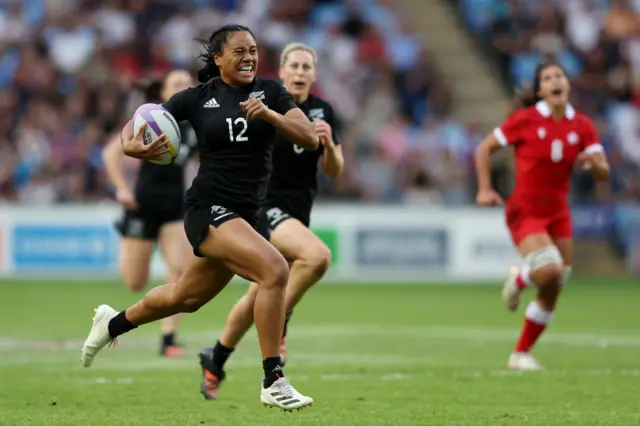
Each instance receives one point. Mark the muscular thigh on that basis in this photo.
(202, 279)
(293, 239)
(242, 249)
(534, 242)
(524, 228)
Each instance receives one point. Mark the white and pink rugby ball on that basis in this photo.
(159, 121)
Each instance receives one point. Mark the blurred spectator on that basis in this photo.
(621, 23)
(67, 68)
(14, 24)
(598, 44)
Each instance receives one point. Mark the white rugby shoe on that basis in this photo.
(99, 335)
(523, 361)
(510, 291)
(284, 396)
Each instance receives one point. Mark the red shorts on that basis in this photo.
(521, 226)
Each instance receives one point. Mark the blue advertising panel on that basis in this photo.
(593, 221)
(418, 248)
(66, 247)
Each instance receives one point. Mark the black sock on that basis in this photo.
(220, 355)
(168, 339)
(120, 325)
(272, 370)
(286, 323)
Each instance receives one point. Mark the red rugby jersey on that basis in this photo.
(545, 151)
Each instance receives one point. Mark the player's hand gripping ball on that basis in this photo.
(158, 133)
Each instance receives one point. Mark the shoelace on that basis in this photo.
(284, 387)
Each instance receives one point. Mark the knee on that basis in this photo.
(550, 275)
(135, 281)
(277, 273)
(547, 268)
(318, 260)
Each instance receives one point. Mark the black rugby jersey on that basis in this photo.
(295, 169)
(235, 154)
(161, 188)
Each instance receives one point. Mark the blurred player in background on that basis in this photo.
(287, 211)
(236, 117)
(549, 137)
(153, 211)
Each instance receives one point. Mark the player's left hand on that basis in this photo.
(324, 132)
(255, 109)
(584, 161)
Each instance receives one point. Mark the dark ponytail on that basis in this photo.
(528, 96)
(215, 45)
(525, 97)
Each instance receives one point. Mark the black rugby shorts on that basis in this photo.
(273, 215)
(198, 219)
(144, 225)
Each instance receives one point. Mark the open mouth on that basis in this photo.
(299, 85)
(557, 92)
(246, 70)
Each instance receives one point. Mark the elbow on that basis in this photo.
(484, 149)
(482, 155)
(334, 173)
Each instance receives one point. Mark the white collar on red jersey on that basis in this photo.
(545, 110)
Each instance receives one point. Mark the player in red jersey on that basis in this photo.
(549, 137)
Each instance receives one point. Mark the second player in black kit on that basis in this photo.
(235, 117)
(154, 209)
(293, 185)
(159, 192)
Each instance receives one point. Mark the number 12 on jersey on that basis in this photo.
(240, 137)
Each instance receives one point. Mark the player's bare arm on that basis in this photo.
(487, 196)
(597, 163)
(112, 156)
(332, 158)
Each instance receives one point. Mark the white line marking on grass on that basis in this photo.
(453, 375)
(308, 336)
(396, 376)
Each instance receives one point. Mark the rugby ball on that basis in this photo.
(159, 121)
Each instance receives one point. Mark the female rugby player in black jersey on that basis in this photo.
(154, 210)
(235, 117)
(287, 211)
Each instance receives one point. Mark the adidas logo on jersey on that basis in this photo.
(212, 103)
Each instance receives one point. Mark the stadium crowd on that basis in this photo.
(67, 67)
(598, 43)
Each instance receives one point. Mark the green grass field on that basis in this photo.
(368, 355)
